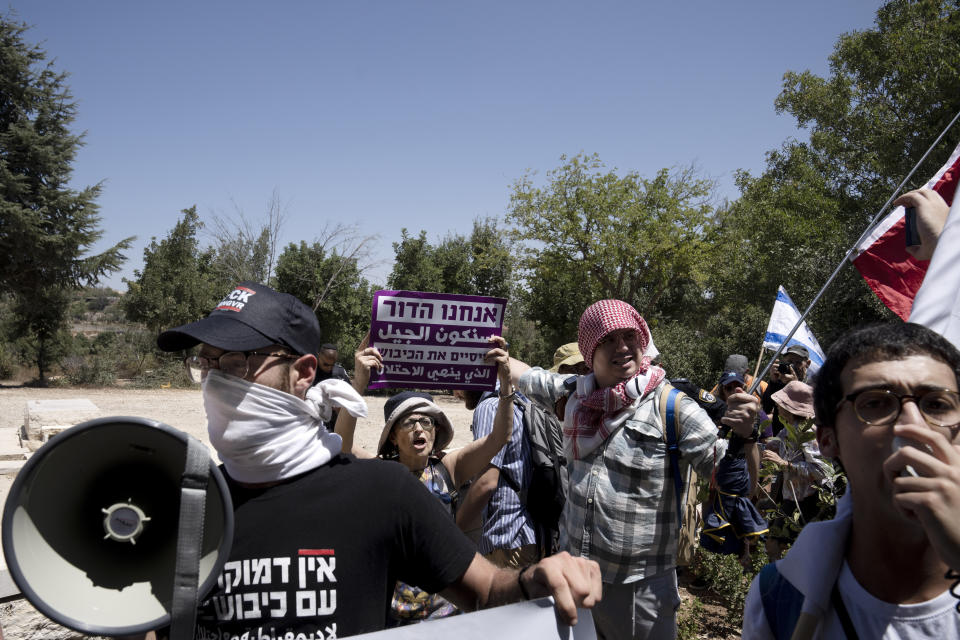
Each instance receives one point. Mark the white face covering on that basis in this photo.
(264, 435)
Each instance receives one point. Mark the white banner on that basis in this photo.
(533, 619)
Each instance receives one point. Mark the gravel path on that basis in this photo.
(183, 409)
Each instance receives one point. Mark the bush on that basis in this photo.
(89, 371)
(788, 526)
(166, 371)
(727, 578)
(9, 363)
(688, 620)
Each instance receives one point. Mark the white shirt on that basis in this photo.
(873, 618)
(816, 561)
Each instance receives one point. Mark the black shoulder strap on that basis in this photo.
(504, 474)
(454, 492)
(848, 629)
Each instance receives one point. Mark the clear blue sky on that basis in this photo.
(410, 113)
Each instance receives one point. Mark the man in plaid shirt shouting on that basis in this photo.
(621, 507)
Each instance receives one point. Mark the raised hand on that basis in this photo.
(932, 212)
(933, 494)
(499, 355)
(365, 359)
(741, 412)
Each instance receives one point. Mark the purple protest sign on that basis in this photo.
(434, 340)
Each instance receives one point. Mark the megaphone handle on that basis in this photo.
(186, 582)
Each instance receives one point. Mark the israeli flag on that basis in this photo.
(784, 317)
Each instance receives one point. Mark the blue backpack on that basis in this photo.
(781, 600)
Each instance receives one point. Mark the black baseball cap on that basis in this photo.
(731, 376)
(250, 317)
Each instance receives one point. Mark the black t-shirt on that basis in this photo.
(319, 555)
(337, 372)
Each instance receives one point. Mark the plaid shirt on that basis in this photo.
(621, 509)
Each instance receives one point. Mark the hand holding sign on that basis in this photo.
(365, 359)
(500, 357)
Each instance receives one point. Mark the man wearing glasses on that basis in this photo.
(888, 410)
(321, 537)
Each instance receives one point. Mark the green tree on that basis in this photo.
(177, 283)
(414, 267)
(452, 257)
(493, 268)
(48, 228)
(481, 264)
(591, 234)
(334, 287)
(890, 92)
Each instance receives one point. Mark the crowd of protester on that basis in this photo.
(874, 430)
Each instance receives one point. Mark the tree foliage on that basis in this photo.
(414, 267)
(176, 284)
(246, 250)
(480, 264)
(48, 228)
(334, 286)
(591, 234)
(706, 278)
(890, 92)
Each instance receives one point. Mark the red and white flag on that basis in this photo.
(882, 258)
(937, 305)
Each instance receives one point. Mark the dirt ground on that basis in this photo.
(183, 409)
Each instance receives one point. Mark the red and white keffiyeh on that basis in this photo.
(590, 422)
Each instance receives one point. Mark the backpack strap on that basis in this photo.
(848, 628)
(671, 430)
(440, 469)
(781, 601)
(504, 473)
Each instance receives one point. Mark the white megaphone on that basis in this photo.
(116, 525)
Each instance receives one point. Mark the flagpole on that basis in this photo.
(836, 272)
(759, 358)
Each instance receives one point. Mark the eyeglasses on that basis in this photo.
(426, 422)
(233, 363)
(939, 407)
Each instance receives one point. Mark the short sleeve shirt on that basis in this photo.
(320, 554)
(506, 523)
(621, 508)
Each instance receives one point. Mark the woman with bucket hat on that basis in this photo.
(415, 432)
(801, 467)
